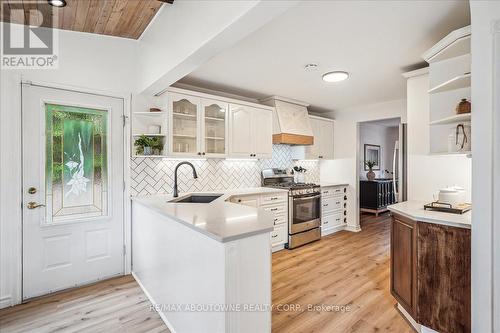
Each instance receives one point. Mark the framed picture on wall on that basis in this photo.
(372, 153)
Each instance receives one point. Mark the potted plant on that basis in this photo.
(146, 144)
(370, 174)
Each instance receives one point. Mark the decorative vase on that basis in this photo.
(463, 107)
(148, 151)
(370, 175)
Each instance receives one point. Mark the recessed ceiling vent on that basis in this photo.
(291, 123)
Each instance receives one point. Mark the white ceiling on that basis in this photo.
(373, 40)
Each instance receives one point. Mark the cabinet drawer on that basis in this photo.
(276, 209)
(331, 191)
(247, 200)
(279, 219)
(331, 204)
(278, 235)
(332, 220)
(273, 198)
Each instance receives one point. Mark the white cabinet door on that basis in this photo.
(240, 120)
(325, 139)
(313, 151)
(262, 133)
(184, 125)
(214, 128)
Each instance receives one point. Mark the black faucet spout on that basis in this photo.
(195, 176)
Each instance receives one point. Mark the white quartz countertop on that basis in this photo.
(332, 184)
(220, 219)
(415, 211)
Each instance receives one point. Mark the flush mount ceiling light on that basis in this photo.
(57, 3)
(335, 76)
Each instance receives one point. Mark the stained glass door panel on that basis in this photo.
(76, 163)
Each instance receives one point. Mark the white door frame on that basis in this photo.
(127, 225)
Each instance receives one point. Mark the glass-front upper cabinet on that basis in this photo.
(214, 128)
(184, 125)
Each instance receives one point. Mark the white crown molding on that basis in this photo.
(417, 72)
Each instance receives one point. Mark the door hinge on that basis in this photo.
(124, 250)
(124, 120)
(124, 186)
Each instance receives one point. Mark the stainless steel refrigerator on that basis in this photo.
(399, 165)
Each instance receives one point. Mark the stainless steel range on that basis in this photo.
(304, 206)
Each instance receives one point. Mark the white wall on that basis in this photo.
(485, 19)
(344, 168)
(428, 173)
(377, 135)
(188, 34)
(87, 61)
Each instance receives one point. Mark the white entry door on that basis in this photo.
(72, 189)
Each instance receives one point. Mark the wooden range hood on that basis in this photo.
(291, 125)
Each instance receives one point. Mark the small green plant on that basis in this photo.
(370, 164)
(147, 141)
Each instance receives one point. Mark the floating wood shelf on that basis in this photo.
(453, 119)
(458, 82)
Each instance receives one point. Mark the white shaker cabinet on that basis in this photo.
(323, 141)
(250, 132)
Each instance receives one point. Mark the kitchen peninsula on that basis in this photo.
(431, 265)
(196, 259)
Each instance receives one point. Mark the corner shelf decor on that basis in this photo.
(450, 80)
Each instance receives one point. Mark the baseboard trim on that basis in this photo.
(353, 228)
(277, 248)
(162, 315)
(6, 301)
(408, 318)
(332, 230)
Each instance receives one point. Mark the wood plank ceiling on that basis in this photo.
(120, 18)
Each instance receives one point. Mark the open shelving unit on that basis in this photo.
(143, 118)
(450, 80)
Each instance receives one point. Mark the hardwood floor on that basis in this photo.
(344, 269)
(116, 305)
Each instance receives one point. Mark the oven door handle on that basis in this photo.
(307, 198)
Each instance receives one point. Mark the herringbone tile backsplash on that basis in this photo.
(156, 175)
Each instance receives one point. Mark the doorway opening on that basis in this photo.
(381, 164)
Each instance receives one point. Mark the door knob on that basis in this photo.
(33, 205)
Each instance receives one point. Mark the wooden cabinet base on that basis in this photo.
(444, 278)
(431, 273)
